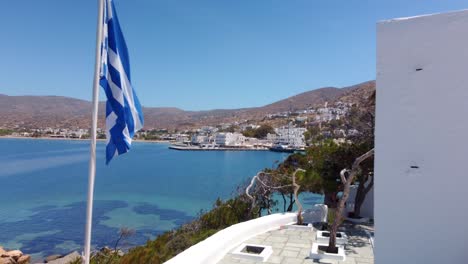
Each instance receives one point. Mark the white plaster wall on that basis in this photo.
(422, 120)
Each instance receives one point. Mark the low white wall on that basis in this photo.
(213, 249)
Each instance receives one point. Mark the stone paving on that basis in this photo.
(293, 247)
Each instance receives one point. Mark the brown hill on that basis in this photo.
(58, 111)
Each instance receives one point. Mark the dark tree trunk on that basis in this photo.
(358, 200)
(338, 218)
(347, 183)
(284, 202)
(361, 194)
(252, 208)
(268, 206)
(331, 199)
(300, 218)
(291, 202)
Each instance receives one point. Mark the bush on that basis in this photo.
(260, 132)
(173, 242)
(5, 132)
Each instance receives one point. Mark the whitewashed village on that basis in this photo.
(233, 136)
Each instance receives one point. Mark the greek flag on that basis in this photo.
(124, 116)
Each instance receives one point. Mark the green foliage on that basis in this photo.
(225, 214)
(230, 129)
(331, 217)
(292, 162)
(327, 160)
(335, 123)
(76, 261)
(104, 258)
(107, 255)
(260, 132)
(155, 134)
(323, 163)
(312, 133)
(5, 132)
(173, 242)
(151, 137)
(363, 119)
(248, 132)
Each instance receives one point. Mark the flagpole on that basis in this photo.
(92, 158)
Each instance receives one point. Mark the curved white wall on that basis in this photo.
(213, 249)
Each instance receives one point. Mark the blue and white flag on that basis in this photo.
(124, 116)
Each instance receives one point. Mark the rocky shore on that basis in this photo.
(63, 259)
(13, 257)
(17, 257)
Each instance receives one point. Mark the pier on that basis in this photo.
(198, 148)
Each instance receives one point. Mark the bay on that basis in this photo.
(151, 189)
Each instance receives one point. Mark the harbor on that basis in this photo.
(215, 148)
(184, 147)
(284, 139)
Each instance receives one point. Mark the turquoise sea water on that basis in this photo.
(151, 189)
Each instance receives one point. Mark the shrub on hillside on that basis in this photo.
(173, 242)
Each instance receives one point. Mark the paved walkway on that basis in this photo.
(293, 247)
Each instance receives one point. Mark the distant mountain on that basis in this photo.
(58, 111)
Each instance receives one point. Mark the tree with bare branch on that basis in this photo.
(355, 170)
(260, 191)
(300, 218)
(264, 184)
(363, 119)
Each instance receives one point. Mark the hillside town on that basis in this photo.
(286, 131)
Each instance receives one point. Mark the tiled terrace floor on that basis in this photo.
(293, 247)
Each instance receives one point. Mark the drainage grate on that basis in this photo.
(258, 253)
(252, 249)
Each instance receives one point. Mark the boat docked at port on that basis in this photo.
(285, 148)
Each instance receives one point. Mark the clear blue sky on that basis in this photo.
(201, 54)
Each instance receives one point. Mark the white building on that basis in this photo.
(229, 139)
(208, 130)
(225, 125)
(353, 132)
(272, 137)
(248, 126)
(421, 207)
(200, 139)
(339, 132)
(301, 118)
(323, 110)
(326, 117)
(182, 137)
(293, 136)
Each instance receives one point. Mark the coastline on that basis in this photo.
(196, 148)
(139, 207)
(81, 139)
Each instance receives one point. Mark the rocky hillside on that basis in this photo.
(57, 111)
